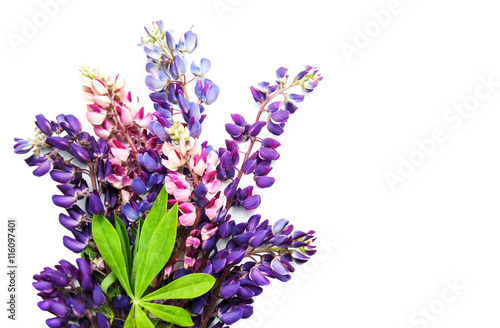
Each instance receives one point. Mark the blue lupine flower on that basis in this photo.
(202, 69)
(156, 80)
(207, 91)
(187, 42)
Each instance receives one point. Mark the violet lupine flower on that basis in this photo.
(22, 146)
(52, 148)
(71, 294)
(274, 250)
(229, 158)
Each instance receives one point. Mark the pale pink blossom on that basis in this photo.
(119, 83)
(98, 87)
(125, 115)
(121, 154)
(187, 220)
(182, 195)
(102, 101)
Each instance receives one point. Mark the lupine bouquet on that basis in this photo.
(148, 203)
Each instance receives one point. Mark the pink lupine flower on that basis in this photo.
(125, 115)
(120, 151)
(175, 159)
(119, 181)
(182, 195)
(177, 185)
(208, 231)
(99, 87)
(95, 114)
(102, 101)
(193, 242)
(210, 180)
(103, 131)
(214, 206)
(142, 120)
(198, 164)
(119, 83)
(188, 262)
(167, 271)
(175, 181)
(188, 214)
(213, 158)
(125, 196)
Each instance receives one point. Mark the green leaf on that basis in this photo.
(130, 322)
(108, 243)
(153, 218)
(169, 313)
(90, 252)
(141, 319)
(124, 241)
(156, 242)
(111, 278)
(134, 252)
(158, 251)
(186, 287)
(112, 292)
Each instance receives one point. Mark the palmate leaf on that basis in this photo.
(137, 318)
(134, 251)
(186, 287)
(109, 245)
(141, 319)
(170, 313)
(130, 322)
(156, 242)
(124, 241)
(146, 231)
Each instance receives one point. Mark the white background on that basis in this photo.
(384, 253)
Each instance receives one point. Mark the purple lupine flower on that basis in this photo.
(58, 142)
(231, 316)
(56, 322)
(255, 128)
(43, 124)
(81, 154)
(258, 95)
(22, 146)
(60, 295)
(94, 204)
(296, 97)
(251, 202)
(44, 166)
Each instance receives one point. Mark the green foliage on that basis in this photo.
(155, 239)
(108, 243)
